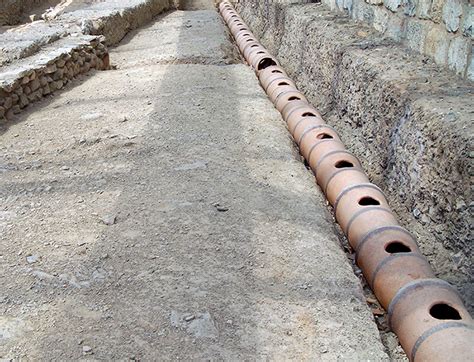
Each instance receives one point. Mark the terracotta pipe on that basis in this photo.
(431, 322)
(297, 125)
(426, 313)
(298, 109)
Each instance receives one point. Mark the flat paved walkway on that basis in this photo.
(160, 211)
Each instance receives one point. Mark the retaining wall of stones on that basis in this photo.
(441, 29)
(47, 72)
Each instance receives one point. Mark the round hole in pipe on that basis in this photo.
(368, 201)
(277, 71)
(265, 63)
(344, 164)
(260, 52)
(444, 311)
(251, 40)
(308, 114)
(283, 83)
(294, 98)
(395, 247)
(324, 136)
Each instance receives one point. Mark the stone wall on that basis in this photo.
(24, 83)
(441, 29)
(11, 11)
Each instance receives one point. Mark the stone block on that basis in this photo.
(348, 5)
(51, 68)
(381, 17)
(392, 5)
(470, 68)
(58, 74)
(374, 2)
(409, 7)
(467, 26)
(2, 112)
(363, 12)
(459, 51)
(8, 102)
(452, 11)
(23, 101)
(46, 89)
(423, 9)
(416, 31)
(437, 44)
(35, 84)
(436, 10)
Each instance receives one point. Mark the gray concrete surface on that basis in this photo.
(161, 211)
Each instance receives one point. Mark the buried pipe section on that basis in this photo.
(426, 313)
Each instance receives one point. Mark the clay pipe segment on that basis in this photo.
(287, 97)
(366, 220)
(237, 29)
(317, 132)
(269, 79)
(225, 4)
(277, 83)
(248, 46)
(297, 125)
(244, 36)
(269, 73)
(262, 60)
(297, 109)
(334, 163)
(236, 25)
(319, 145)
(342, 179)
(315, 149)
(390, 261)
(251, 51)
(431, 322)
(245, 43)
(356, 198)
(230, 16)
(279, 90)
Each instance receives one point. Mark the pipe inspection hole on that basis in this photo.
(368, 201)
(396, 247)
(308, 114)
(344, 164)
(444, 311)
(276, 71)
(283, 83)
(265, 63)
(324, 136)
(294, 98)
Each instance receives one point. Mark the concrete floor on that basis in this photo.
(161, 211)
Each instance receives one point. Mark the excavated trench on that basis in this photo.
(426, 313)
(407, 120)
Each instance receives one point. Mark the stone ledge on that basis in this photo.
(53, 63)
(44, 73)
(408, 120)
